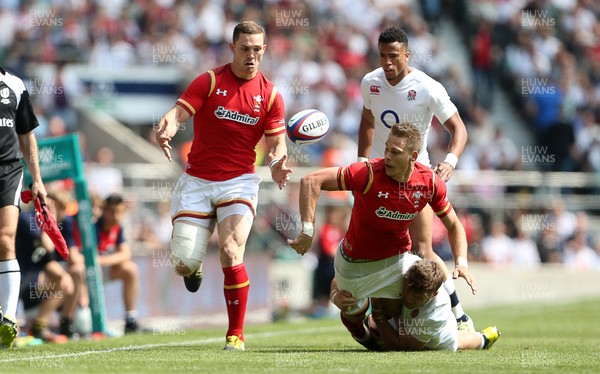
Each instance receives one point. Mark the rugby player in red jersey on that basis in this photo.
(233, 107)
(388, 193)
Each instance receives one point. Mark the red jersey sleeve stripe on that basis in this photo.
(340, 179)
(370, 180)
(275, 131)
(213, 81)
(187, 106)
(272, 98)
(444, 211)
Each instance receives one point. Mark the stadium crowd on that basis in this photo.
(545, 52)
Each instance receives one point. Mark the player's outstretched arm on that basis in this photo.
(366, 132)
(168, 126)
(310, 189)
(276, 159)
(458, 243)
(458, 141)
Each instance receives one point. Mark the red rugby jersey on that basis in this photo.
(383, 207)
(231, 115)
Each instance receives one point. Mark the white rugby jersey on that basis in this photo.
(433, 323)
(415, 99)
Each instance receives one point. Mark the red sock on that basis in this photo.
(357, 329)
(236, 287)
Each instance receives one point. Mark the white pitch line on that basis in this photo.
(172, 344)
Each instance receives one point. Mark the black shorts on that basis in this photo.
(11, 183)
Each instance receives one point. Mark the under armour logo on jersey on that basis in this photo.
(219, 92)
(383, 194)
(233, 302)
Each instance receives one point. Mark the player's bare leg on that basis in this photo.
(421, 233)
(76, 269)
(128, 273)
(233, 232)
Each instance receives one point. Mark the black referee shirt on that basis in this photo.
(16, 115)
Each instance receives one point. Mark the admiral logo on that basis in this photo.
(233, 115)
(382, 212)
(7, 122)
(374, 90)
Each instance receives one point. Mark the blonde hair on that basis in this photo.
(408, 131)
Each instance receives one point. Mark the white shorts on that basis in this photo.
(203, 202)
(381, 278)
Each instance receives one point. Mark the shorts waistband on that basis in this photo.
(345, 256)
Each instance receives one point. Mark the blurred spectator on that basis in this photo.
(115, 256)
(549, 245)
(102, 176)
(564, 221)
(579, 255)
(497, 246)
(45, 285)
(74, 265)
(525, 253)
(482, 64)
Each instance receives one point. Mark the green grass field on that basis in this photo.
(535, 338)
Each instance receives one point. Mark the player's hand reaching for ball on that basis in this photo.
(280, 172)
(301, 244)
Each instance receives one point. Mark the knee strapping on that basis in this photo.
(188, 247)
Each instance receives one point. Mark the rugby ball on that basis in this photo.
(307, 127)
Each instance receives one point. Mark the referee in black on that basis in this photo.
(17, 142)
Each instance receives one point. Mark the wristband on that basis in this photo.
(308, 228)
(361, 159)
(273, 162)
(461, 261)
(451, 159)
(332, 295)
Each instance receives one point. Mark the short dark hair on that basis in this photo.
(247, 27)
(113, 199)
(393, 34)
(424, 276)
(406, 130)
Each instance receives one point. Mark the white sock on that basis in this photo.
(482, 340)
(131, 315)
(10, 285)
(454, 302)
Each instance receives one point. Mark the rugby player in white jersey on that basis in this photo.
(421, 320)
(396, 93)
